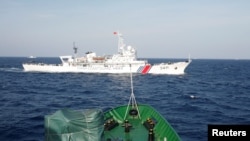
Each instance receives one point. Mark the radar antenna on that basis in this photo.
(121, 44)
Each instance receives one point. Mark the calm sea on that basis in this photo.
(211, 92)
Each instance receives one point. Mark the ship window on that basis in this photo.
(65, 59)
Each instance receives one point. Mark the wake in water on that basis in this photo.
(12, 69)
(193, 96)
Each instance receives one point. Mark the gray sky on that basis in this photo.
(217, 29)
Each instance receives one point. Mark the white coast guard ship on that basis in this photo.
(125, 61)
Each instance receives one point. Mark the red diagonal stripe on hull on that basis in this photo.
(146, 69)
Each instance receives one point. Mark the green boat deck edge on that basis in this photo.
(162, 130)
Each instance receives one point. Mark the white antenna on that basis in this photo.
(189, 58)
(134, 111)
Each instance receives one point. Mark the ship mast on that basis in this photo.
(121, 44)
(75, 51)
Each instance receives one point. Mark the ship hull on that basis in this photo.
(81, 69)
(163, 68)
(177, 68)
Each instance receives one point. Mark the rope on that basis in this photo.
(132, 98)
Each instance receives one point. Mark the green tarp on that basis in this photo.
(69, 125)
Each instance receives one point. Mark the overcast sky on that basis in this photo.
(216, 29)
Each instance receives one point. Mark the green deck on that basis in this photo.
(94, 125)
(138, 132)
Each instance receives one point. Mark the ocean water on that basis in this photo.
(211, 92)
